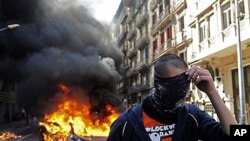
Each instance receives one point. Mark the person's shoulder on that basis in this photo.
(189, 106)
(192, 108)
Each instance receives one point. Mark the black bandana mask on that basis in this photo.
(170, 92)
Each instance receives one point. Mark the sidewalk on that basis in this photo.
(15, 127)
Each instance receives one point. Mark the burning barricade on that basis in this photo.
(72, 121)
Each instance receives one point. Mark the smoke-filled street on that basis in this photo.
(59, 65)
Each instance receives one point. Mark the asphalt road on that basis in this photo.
(30, 132)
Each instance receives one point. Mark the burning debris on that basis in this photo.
(9, 136)
(73, 119)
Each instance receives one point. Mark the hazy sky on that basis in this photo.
(103, 10)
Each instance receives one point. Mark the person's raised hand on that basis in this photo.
(202, 79)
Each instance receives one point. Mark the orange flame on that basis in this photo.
(74, 118)
(64, 88)
(8, 136)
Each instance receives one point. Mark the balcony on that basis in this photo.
(180, 39)
(164, 18)
(123, 89)
(202, 5)
(4, 96)
(164, 48)
(143, 65)
(179, 6)
(132, 90)
(143, 86)
(122, 36)
(124, 47)
(131, 34)
(142, 42)
(203, 45)
(124, 67)
(153, 4)
(132, 53)
(154, 31)
(142, 19)
(131, 72)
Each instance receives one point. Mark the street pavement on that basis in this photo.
(20, 129)
(28, 132)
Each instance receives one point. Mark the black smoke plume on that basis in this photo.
(58, 42)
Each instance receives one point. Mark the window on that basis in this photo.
(226, 15)
(144, 54)
(167, 3)
(169, 33)
(133, 43)
(154, 19)
(202, 32)
(242, 10)
(247, 76)
(141, 32)
(181, 24)
(7, 86)
(161, 9)
(162, 38)
(144, 30)
(212, 26)
(130, 63)
(183, 55)
(154, 45)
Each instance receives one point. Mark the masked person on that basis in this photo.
(164, 116)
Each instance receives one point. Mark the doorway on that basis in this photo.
(236, 97)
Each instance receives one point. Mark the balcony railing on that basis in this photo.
(154, 31)
(143, 86)
(123, 89)
(125, 67)
(228, 32)
(132, 90)
(4, 96)
(132, 53)
(142, 42)
(131, 72)
(122, 36)
(124, 48)
(179, 5)
(153, 4)
(180, 37)
(141, 20)
(203, 45)
(202, 5)
(131, 34)
(144, 63)
(164, 18)
(163, 48)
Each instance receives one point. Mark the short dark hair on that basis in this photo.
(169, 60)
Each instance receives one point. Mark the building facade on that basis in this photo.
(202, 32)
(132, 31)
(7, 88)
(214, 37)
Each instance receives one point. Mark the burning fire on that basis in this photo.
(73, 118)
(8, 136)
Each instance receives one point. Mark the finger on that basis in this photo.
(196, 75)
(191, 72)
(201, 78)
